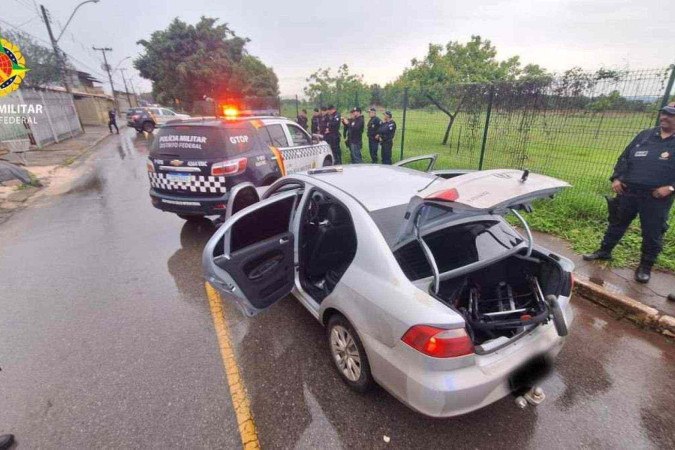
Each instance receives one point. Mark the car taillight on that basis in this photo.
(135, 117)
(231, 167)
(150, 166)
(448, 195)
(439, 342)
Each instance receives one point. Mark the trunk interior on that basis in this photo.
(501, 301)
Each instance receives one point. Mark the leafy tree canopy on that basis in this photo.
(187, 62)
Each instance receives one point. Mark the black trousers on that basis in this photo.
(334, 142)
(372, 146)
(386, 151)
(653, 214)
(113, 123)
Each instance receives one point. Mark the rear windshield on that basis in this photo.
(204, 141)
(458, 246)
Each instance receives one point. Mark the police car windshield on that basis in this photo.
(190, 141)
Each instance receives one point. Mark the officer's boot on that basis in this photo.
(643, 272)
(601, 254)
(6, 441)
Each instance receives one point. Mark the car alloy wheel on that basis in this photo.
(346, 353)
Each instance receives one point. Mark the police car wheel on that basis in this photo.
(148, 127)
(191, 217)
(327, 161)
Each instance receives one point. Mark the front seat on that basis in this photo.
(335, 244)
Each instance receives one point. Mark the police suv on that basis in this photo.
(194, 164)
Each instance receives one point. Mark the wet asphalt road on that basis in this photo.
(106, 340)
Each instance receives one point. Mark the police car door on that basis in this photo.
(250, 258)
(301, 154)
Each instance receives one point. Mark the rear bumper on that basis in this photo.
(465, 384)
(180, 204)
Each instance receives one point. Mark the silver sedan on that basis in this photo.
(423, 286)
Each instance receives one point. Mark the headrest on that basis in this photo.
(337, 215)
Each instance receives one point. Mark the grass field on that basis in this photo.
(580, 148)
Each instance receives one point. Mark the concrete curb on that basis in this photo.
(633, 310)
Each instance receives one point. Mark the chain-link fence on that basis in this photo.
(572, 126)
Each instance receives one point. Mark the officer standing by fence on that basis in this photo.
(354, 133)
(323, 119)
(302, 118)
(316, 121)
(644, 181)
(385, 134)
(332, 133)
(373, 127)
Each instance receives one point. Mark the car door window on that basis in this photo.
(168, 112)
(299, 137)
(276, 136)
(272, 220)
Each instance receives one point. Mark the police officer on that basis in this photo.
(385, 134)
(323, 119)
(354, 134)
(373, 126)
(332, 133)
(316, 119)
(644, 181)
(112, 120)
(302, 118)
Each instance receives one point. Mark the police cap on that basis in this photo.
(669, 109)
(387, 113)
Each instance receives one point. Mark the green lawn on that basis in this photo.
(580, 148)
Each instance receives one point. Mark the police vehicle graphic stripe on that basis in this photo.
(196, 183)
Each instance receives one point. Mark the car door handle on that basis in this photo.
(284, 240)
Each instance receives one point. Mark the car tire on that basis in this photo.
(558, 317)
(327, 161)
(348, 355)
(139, 130)
(191, 217)
(148, 127)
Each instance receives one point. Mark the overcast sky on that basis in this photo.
(375, 38)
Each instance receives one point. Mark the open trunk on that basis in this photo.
(505, 299)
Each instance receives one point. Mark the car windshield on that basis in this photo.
(458, 246)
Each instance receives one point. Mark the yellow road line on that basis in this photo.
(240, 400)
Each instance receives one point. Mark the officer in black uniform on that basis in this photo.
(323, 119)
(373, 127)
(354, 135)
(112, 120)
(302, 118)
(316, 119)
(644, 181)
(332, 133)
(385, 134)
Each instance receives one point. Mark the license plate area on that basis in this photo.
(178, 177)
(530, 373)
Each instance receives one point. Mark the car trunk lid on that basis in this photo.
(476, 193)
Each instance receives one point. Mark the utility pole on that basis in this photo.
(59, 59)
(107, 69)
(126, 89)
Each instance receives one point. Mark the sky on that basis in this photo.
(375, 38)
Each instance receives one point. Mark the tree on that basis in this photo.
(342, 89)
(443, 71)
(187, 62)
(40, 60)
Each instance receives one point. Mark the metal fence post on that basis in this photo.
(666, 95)
(405, 110)
(297, 106)
(49, 118)
(487, 126)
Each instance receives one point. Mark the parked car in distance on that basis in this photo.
(421, 283)
(148, 118)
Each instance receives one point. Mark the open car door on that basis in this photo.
(423, 163)
(482, 192)
(251, 257)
